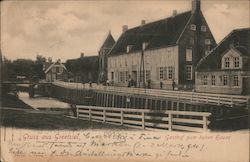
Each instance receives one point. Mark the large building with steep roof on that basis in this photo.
(162, 52)
(226, 69)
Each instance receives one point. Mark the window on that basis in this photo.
(205, 81)
(236, 62)
(227, 62)
(161, 72)
(112, 75)
(126, 76)
(207, 41)
(225, 80)
(203, 28)
(213, 79)
(189, 72)
(170, 72)
(148, 75)
(144, 45)
(121, 76)
(188, 54)
(236, 80)
(129, 47)
(193, 27)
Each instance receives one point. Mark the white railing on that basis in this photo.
(193, 97)
(146, 119)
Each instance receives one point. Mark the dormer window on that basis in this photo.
(236, 62)
(193, 27)
(144, 45)
(129, 47)
(203, 28)
(227, 62)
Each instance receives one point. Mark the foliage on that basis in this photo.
(23, 67)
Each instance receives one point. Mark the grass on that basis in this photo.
(27, 118)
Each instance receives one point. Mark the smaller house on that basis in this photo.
(226, 69)
(55, 71)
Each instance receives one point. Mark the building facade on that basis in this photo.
(102, 58)
(56, 71)
(163, 52)
(226, 69)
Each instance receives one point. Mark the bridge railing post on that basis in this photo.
(143, 120)
(205, 128)
(170, 121)
(77, 112)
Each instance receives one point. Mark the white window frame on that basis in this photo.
(187, 72)
(203, 28)
(161, 73)
(213, 80)
(193, 27)
(236, 62)
(236, 81)
(226, 62)
(170, 72)
(129, 47)
(225, 80)
(205, 80)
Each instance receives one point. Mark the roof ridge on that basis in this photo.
(158, 20)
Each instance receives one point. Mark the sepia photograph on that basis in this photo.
(118, 81)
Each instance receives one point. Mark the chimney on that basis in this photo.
(174, 13)
(143, 22)
(82, 55)
(124, 28)
(196, 5)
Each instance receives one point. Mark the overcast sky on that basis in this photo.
(64, 29)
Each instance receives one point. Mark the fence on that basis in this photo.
(146, 119)
(193, 97)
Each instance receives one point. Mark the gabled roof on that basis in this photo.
(54, 64)
(109, 42)
(238, 39)
(164, 32)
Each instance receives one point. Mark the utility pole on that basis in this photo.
(142, 67)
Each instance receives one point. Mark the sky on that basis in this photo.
(64, 29)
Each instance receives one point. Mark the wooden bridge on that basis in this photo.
(191, 97)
